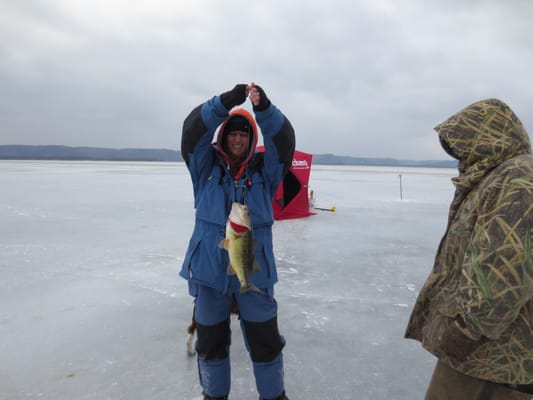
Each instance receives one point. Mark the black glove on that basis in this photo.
(456, 344)
(264, 102)
(234, 97)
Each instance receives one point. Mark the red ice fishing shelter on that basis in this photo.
(292, 199)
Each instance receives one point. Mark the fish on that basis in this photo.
(240, 246)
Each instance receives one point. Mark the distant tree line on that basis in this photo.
(53, 152)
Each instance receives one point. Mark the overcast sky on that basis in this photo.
(367, 78)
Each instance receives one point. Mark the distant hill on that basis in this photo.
(331, 159)
(23, 152)
(52, 152)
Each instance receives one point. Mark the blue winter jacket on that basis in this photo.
(215, 189)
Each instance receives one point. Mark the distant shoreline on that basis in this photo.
(67, 153)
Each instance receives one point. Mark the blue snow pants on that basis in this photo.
(258, 315)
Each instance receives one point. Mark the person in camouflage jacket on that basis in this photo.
(475, 311)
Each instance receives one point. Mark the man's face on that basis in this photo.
(238, 143)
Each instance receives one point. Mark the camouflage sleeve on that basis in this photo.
(497, 278)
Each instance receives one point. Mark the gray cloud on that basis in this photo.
(361, 78)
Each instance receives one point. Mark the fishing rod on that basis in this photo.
(333, 209)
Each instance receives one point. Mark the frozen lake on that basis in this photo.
(91, 306)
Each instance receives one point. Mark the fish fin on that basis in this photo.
(256, 267)
(224, 244)
(231, 271)
(250, 287)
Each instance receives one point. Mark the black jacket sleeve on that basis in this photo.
(193, 130)
(285, 143)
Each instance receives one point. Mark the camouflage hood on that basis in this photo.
(483, 269)
(482, 136)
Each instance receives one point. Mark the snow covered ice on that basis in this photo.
(91, 306)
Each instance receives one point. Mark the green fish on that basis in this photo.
(240, 245)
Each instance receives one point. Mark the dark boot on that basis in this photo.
(206, 397)
(282, 396)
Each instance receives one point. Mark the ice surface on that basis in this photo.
(91, 306)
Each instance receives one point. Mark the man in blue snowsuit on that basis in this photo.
(222, 173)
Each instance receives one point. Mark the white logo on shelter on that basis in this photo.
(300, 164)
